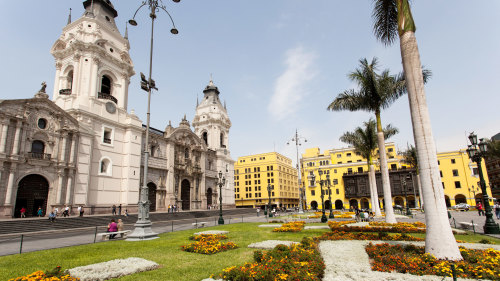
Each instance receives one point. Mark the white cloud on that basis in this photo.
(291, 87)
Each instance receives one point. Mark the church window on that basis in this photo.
(70, 80)
(107, 135)
(37, 149)
(186, 153)
(222, 140)
(105, 167)
(205, 137)
(106, 85)
(153, 150)
(42, 123)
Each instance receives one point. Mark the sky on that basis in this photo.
(278, 65)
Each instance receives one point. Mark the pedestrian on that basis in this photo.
(496, 208)
(120, 210)
(81, 210)
(39, 212)
(126, 212)
(66, 211)
(52, 216)
(119, 226)
(23, 212)
(113, 210)
(479, 207)
(56, 210)
(112, 227)
(258, 211)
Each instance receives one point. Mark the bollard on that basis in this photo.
(21, 246)
(95, 234)
(453, 272)
(172, 226)
(473, 227)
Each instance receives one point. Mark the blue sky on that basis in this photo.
(278, 64)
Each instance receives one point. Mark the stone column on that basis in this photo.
(17, 137)
(72, 149)
(3, 139)
(10, 187)
(69, 188)
(59, 187)
(64, 137)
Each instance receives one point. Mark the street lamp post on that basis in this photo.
(408, 177)
(321, 183)
(297, 140)
(476, 152)
(328, 185)
(143, 229)
(269, 188)
(221, 183)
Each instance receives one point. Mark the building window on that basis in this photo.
(390, 149)
(442, 184)
(106, 85)
(42, 123)
(455, 173)
(360, 169)
(475, 171)
(204, 136)
(348, 154)
(349, 170)
(439, 163)
(452, 161)
(339, 155)
(457, 184)
(337, 191)
(105, 167)
(313, 192)
(107, 135)
(441, 173)
(394, 166)
(335, 181)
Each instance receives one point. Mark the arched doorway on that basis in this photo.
(353, 204)
(209, 197)
(339, 204)
(479, 198)
(152, 196)
(365, 204)
(314, 205)
(398, 201)
(32, 193)
(447, 200)
(185, 195)
(327, 205)
(459, 198)
(411, 202)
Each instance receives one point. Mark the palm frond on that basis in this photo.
(390, 131)
(385, 21)
(348, 100)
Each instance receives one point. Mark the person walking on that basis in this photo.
(496, 208)
(66, 211)
(258, 211)
(120, 210)
(23, 212)
(39, 212)
(113, 210)
(56, 210)
(479, 207)
(81, 210)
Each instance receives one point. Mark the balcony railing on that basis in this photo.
(107, 97)
(66, 92)
(39, 155)
(106, 140)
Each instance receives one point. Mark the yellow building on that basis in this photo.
(459, 176)
(254, 173)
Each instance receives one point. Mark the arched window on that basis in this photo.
(205, 137)
(186, 153)
(37, 149)
(222, 140)
(106, 85)
(105, 167)
(70, 80)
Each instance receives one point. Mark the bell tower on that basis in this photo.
(93, 66)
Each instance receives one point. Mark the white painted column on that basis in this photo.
(69, 187)
(3, 139)
(59, 188)
(17, 137)
(57, 81)
(72, 149)
(10, 187)
(62, 157)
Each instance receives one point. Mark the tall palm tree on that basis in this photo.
(393, 18)
(410, 158)
(376, 92)
(364, 141)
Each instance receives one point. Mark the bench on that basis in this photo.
(105, 235)
(466, 225)
(199, 224)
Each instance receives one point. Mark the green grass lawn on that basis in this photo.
(175, 263)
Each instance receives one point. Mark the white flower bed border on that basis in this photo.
(112, 269)
(270, 244)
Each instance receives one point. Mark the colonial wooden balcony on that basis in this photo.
(105, 96)
(65, 92)
(38, 155)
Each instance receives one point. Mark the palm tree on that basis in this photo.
(410, 158)
(364, 141)
(393, 18)
(377, 91)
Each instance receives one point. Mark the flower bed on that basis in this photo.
(399, 224)
(294, 226)
(339, 223)
(412, 259)
(208, 244)
(344, 216)
(394, 229)
(341, 235)
(50, 275)
(203, 237)
(296, 262)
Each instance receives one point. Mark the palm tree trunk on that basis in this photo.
(439, 240)
(420, 195)
(386, 185)
(370, 185)
(373, 186)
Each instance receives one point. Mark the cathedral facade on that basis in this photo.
(84, 148)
